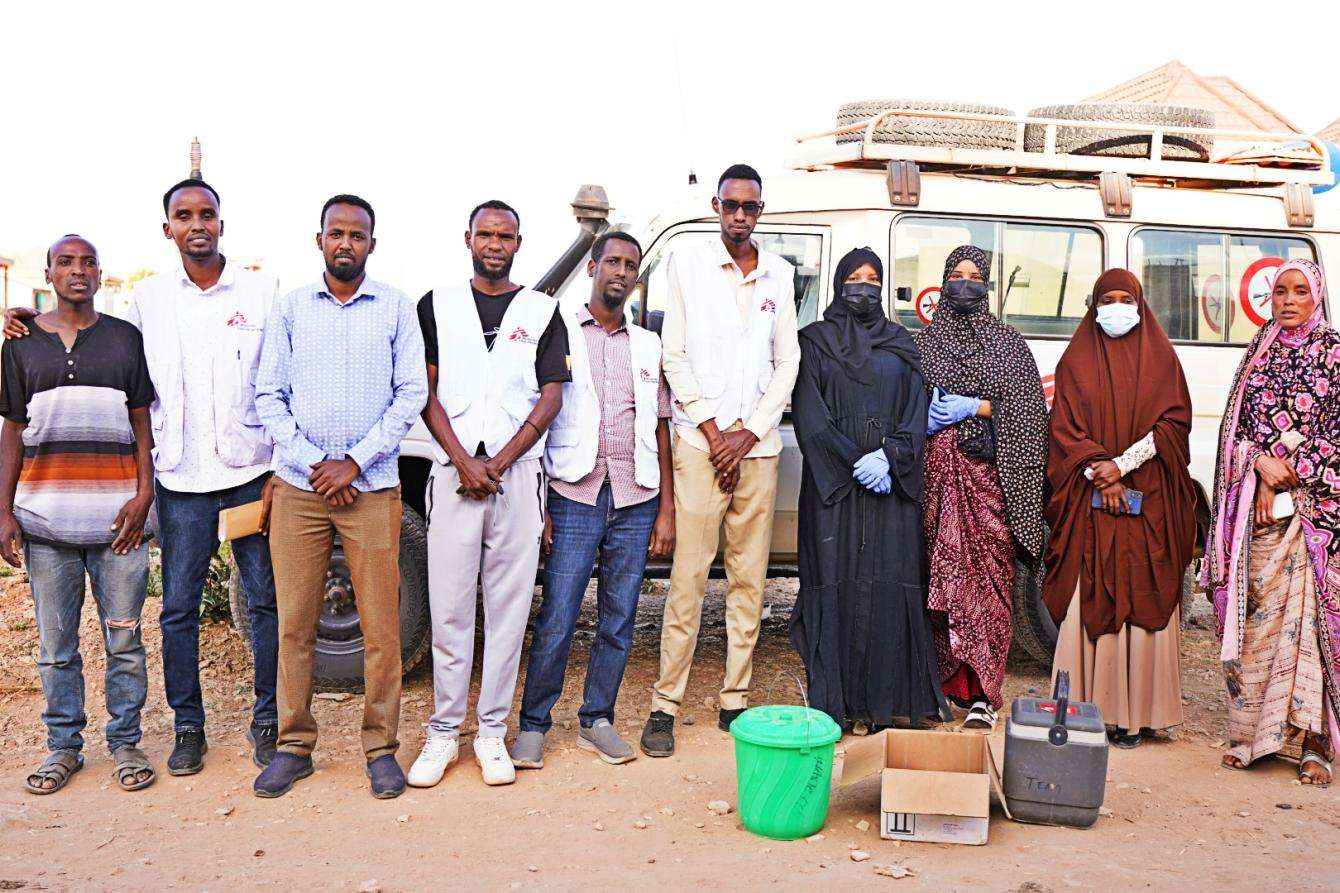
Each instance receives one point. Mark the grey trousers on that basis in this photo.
(496, 540)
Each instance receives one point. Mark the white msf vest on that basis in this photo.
(731, 358)
(488, 394)
(575, 434)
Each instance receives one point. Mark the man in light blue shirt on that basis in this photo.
(341, 382)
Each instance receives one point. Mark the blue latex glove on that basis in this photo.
(950, 409)
(870, 468)
(883, 485)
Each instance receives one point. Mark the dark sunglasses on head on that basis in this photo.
(751, 209)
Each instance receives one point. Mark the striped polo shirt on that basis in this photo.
(78, 447)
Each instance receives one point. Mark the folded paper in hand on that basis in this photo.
(240, 521)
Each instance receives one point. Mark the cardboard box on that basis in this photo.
(935, 787)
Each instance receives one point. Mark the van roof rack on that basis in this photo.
(820, 151)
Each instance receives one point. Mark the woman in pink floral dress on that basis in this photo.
(1273, 556)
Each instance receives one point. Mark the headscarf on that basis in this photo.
(1313, 349)
(976, 354)
(850, 341)
(1217, 543)
(1110, 393)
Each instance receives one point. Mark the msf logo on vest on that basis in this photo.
(520, 334)
(768, 306)
(239, 321)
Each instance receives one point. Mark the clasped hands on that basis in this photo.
(949, 409)
(872, 472)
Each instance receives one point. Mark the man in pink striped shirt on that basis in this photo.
(611, 496)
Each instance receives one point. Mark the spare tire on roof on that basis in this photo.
(1123, 143)
(915, 131)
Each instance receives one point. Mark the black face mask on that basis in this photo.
(963, 295)
(862, 299)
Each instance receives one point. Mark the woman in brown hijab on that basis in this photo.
(1120, 424)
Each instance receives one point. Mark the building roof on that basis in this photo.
(1174, 84)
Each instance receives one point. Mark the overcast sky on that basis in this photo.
(426, 110)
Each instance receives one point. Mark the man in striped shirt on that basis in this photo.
(76, 485)
(610, 495)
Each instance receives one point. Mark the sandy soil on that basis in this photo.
(1177, 820)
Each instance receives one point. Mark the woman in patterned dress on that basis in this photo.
(1272, 563)
(985, 465)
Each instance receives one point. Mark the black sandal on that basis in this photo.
(58, 767)
(129, 763)
(1125, 739)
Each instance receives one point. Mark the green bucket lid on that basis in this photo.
(785, 725)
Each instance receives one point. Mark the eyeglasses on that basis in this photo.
(751, 209)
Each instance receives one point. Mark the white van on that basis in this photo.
(1203, 237)
(913, 183)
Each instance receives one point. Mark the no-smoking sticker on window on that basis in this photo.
(926, 303)
(1217, 310)
(1254, 291)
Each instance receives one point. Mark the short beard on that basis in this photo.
(204, 254)
(613, 303)
(731, 237)
(346, 274)
(485, 272)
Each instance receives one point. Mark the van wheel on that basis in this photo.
(1123, 143)
(339, 640)
(911, 131)
(1034, 630)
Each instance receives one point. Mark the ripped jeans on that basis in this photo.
(56, 576)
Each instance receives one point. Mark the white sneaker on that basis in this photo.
(438, 753)
(494, 761)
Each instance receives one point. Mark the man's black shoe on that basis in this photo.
(188, 753)
(726, 717)
(386, 777)
(658, 737)
(285, 770)
(263, 740)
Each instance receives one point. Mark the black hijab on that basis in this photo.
(849, 341)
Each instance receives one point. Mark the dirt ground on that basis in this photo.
(1177, 820)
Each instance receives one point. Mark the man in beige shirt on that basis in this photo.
(731, 357)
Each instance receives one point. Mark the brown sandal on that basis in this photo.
(130, 762)
(1231, 762)
(57, 768)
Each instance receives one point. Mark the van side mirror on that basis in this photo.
(903, 293)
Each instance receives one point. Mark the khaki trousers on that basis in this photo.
(302, 531)
(700, 511)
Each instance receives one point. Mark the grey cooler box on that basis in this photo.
(1055, 759)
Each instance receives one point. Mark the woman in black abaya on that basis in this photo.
(859, 409)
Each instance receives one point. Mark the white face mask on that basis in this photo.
(1118, 319)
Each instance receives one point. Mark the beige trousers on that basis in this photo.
(302, 532)
(701, 510)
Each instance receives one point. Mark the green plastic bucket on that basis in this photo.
(783, 768)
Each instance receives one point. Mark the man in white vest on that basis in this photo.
(610, 496)
(202, 324)
(497, 361)
(731, 357)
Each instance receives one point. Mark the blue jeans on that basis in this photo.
(56, 577)
(581, 532)
(188, 529)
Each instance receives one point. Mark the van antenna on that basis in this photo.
(195, 158)
(683, 106)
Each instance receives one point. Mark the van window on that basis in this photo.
(803, 250)
(1041, 273)
(1208, 287)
